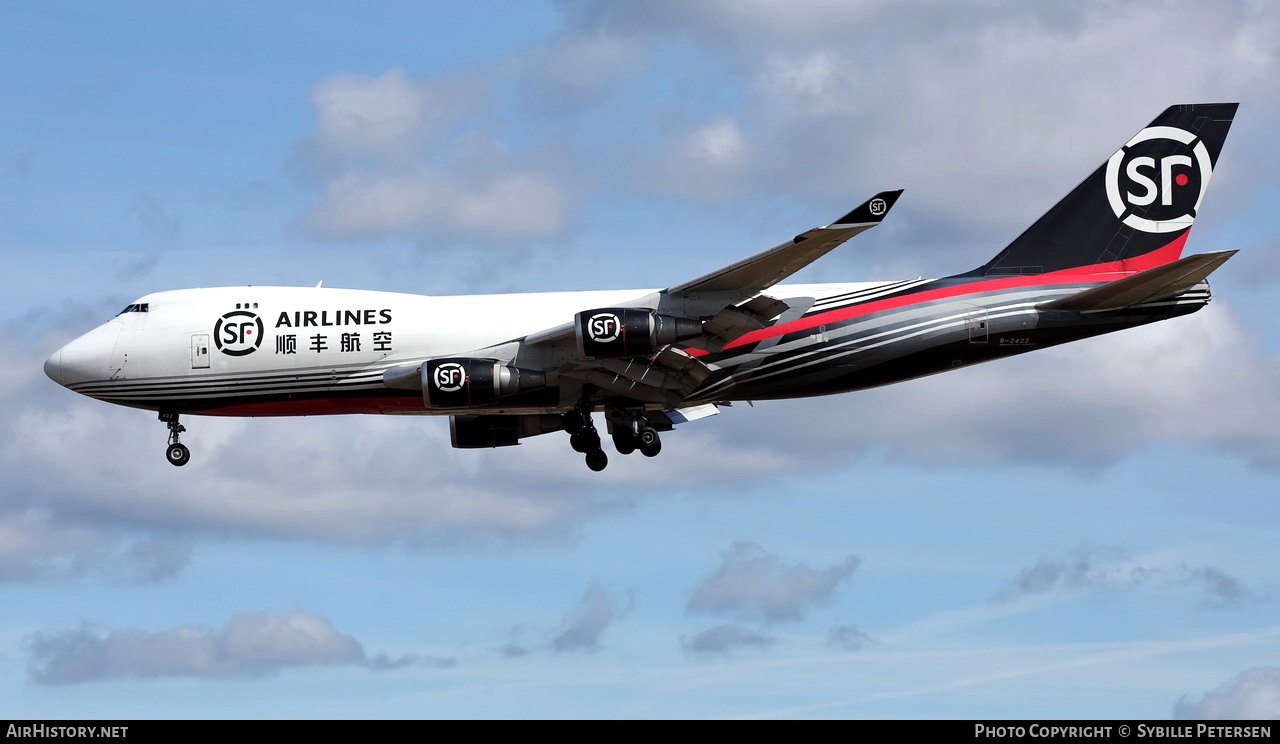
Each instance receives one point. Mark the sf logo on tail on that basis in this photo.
(1154, 189)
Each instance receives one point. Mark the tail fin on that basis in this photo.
(1135, 210)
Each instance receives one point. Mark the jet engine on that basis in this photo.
(611, 332)
(464, 382)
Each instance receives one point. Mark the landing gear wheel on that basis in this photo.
(650, 442)
(178, 454)
(175, 453)
(585, 440)
(624, 441)
(597, 460)
(573, 422)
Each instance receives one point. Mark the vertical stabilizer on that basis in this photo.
(1136, 208)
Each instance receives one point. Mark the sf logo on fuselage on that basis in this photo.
(1152, 190)
(604, 327)
(238, 332)
(450, 377)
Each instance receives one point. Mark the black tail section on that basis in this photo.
(1142, 200)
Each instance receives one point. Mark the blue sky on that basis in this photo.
(1081, 532)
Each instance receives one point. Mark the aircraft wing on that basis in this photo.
(753, 275)
(729, 299)
(642, 359)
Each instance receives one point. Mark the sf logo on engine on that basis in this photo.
(450, 377)
(238, 333)
(604, 327)
(1155, 191)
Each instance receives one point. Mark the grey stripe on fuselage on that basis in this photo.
(878, 337)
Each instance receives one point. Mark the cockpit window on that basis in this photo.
(137, 307)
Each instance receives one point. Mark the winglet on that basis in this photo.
(870, 211)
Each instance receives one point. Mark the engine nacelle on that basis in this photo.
(465, 382)
(611, 332)
(475, 432)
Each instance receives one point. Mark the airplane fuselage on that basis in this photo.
(272, 351)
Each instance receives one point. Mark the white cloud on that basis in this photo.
(725, 641)
(752, 581)
(576, 68)
(848, 638)
(985, 114)
(509, 206)
(395, 155)
(257, 644)
(706, 162)
(36, 545)
(588, 621)
(387, 117)
(1253, 695)
(1110, 569)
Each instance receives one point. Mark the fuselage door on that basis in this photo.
(199, 351)
(977, 323)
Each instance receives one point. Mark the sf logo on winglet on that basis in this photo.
(877, 207)
(604, 327)
(450, 377)
(1153, 191)
(238, 333)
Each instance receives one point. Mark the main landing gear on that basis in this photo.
(176, 453)
(631, 432)
(584, 438)
(634, 433)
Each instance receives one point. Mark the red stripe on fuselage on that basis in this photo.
(1103, 272)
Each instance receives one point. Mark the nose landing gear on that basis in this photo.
(176, 452)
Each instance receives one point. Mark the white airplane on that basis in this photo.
(508, 367)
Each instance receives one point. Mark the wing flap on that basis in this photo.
(667, 378)
(1161, 283)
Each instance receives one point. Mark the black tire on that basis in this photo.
(624, 442)
(651, 450)
(585, 440)
(178, 454)
(573, 422)
(649, 438)
(597, 460)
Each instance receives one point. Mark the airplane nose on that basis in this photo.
(53, 367)
(84, 359)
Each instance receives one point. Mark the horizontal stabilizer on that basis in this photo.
(1152, 285)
